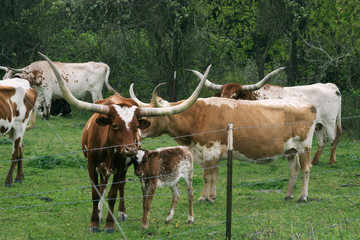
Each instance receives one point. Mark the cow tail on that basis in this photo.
(110, 88)
(32, 120)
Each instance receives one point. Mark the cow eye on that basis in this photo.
(115, 126)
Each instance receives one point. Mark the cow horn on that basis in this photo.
(148, 112)
(154, 96)
(132, 95)
(208, 84)
(261, 83)
(16, 70)
(4, 68)
(99, 108)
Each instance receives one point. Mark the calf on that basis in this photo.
(164, 167)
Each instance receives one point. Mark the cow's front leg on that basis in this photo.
(109, 225)
(95, 220)
(122, 216)
(149, 189)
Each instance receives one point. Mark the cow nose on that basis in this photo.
(130, 150)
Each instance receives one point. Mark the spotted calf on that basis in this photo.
(164, 167)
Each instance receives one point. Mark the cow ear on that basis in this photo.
(103, 121)
(143, 123)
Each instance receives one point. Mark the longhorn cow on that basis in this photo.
(110, 138)
(17, 100)
(80, 78)
(263, 130)
(325, 97)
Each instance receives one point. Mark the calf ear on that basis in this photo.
(143, 123)
(103, 121)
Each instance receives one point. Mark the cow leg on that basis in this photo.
(95, 220)
(17, 156)
(294, 165)
(190, 195)
(102, 190)
(122, 216)
(149, 188)
(109, 225)
(334, 144)
(305, 171)
(20, 172)
(176, 196)
(210, 178)
(321, 137)
(96, 95)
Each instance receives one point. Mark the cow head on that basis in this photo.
(237, 90)
(10, 72)
(140, 163)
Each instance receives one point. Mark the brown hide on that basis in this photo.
(234, 91)
(254, 143)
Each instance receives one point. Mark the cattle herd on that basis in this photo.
(268, 121)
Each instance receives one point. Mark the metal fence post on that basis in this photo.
(229, 182)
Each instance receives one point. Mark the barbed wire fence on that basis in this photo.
(235, 186)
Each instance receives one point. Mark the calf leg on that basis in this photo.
(176, 195)
(305, 170)
(149, 188)
(294, 165)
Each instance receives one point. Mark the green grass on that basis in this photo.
(54, 201)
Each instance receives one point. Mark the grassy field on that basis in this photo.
(54, 201)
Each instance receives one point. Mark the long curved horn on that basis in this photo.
(4, 68)
(132, 95)
(208, 84)
(148, 112)
(16, 70)
(155, 98)
(99, 108)
(263, 81)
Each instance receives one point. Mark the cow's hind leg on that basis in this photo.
(176, 196)
(305, 171)
(210, 178)
(334, 144)
(109, 225)
(321, 138)
(16, 160)
(293, 160)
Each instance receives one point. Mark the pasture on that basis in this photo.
(54, 201)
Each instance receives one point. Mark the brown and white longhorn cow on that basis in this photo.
(267, 128)
(81, 78)
(17, 101)
(110, 138)
(325, 97)
(164, 167)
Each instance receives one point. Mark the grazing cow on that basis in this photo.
(110, 138)
(60, 107)
(164, 167)
(325, 97)
(17, 101)
(80, 78)
(267, 128)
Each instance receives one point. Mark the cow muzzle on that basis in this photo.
(129, 151)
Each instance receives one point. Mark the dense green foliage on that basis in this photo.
(145, 41)
(54, 201)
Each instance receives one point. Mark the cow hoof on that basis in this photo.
(122, 217)
(167, 222)
(288, 198)
(109, 230)
(301, 200)
(94, 229)
(210, 200)
(18, 181)
(201, 199)
(144, 227)
(7, 185)
(190, 222)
